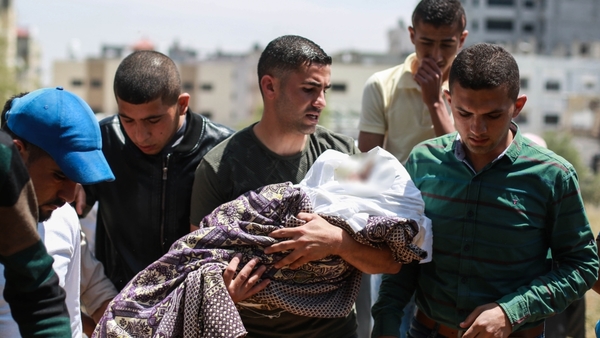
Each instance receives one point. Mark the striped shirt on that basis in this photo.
(492, 232)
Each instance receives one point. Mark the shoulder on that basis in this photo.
(229, 149)
(386, 76)
(328, 139)
(544, 161)
(211, 129)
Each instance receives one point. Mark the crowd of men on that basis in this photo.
(512, 243)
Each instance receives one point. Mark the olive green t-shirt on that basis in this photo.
(242, 163)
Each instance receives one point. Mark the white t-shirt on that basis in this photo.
(61, 236)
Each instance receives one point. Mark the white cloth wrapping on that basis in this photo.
(373, 183)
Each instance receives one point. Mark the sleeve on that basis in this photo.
(95, 287)
(574, 254)
(37, 302)
(372, 115)
(206, 195)
(394, 293)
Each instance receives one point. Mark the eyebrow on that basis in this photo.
(495, 111)
(316, 84)
(452, 39)
(144, 119)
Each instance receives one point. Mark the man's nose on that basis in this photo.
(67, 190)
(320, 101)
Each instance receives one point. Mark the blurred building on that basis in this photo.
(548, 27)
(20, 55)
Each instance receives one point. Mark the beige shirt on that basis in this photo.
(392, 106)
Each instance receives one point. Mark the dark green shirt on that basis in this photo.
(242, 163)
(491, 234)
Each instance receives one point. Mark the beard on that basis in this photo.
(44, 215)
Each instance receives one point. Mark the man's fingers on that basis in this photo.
(229, 273)
(288, 260)
(257, 288)
(471, 317)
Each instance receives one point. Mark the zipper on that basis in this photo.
(165, 170)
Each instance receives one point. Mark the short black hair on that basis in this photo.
(35, 152)
(486, 66)
(288, 53)
(440, 13)
(144, 76)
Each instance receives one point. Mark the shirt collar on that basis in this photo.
(511, 152)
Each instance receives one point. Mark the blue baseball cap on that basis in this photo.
(64, 126)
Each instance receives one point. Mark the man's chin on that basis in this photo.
(44, 215)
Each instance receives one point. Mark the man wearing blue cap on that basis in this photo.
(58, 138)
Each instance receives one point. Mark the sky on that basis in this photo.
(207, 25)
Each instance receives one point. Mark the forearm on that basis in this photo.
(442, 122)
(37, 302)
(366, 258)
(395, 292)
(553, 292)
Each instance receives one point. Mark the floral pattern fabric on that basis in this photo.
(183, 293)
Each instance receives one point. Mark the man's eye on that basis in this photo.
(153, 121)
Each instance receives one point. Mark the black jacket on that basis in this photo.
(147, 207)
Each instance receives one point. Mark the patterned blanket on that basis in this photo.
(183, 294)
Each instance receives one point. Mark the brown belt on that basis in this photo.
(451, 333)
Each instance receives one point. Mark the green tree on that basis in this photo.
(562, 144)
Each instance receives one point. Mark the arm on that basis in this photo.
(373, 123)
(429, 77)
(368, 141)
(317, 239)
(96, 290)
(206, 195)
(394, 293)
(596, 286)
(573, 249)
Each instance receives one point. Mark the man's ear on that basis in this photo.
(448, 96)
(462, 38)
(183, 102)
(22, 149)
(519, 104)
(411, 31)
(269, 84)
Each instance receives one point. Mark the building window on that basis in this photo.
(475, 26)
(207, 87)
(188, 86)
(552, 85)
(338, 87)
(551, 119)
(206, 114)
(501, 2)
(499, 25)
(96, 83)
(524, 83)
(76, 83)
(529, 4)
(475, 3)
(528, 28)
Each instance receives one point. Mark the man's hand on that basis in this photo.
(487, 321)
(309, 242)
(429, 77)
(243, 285)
